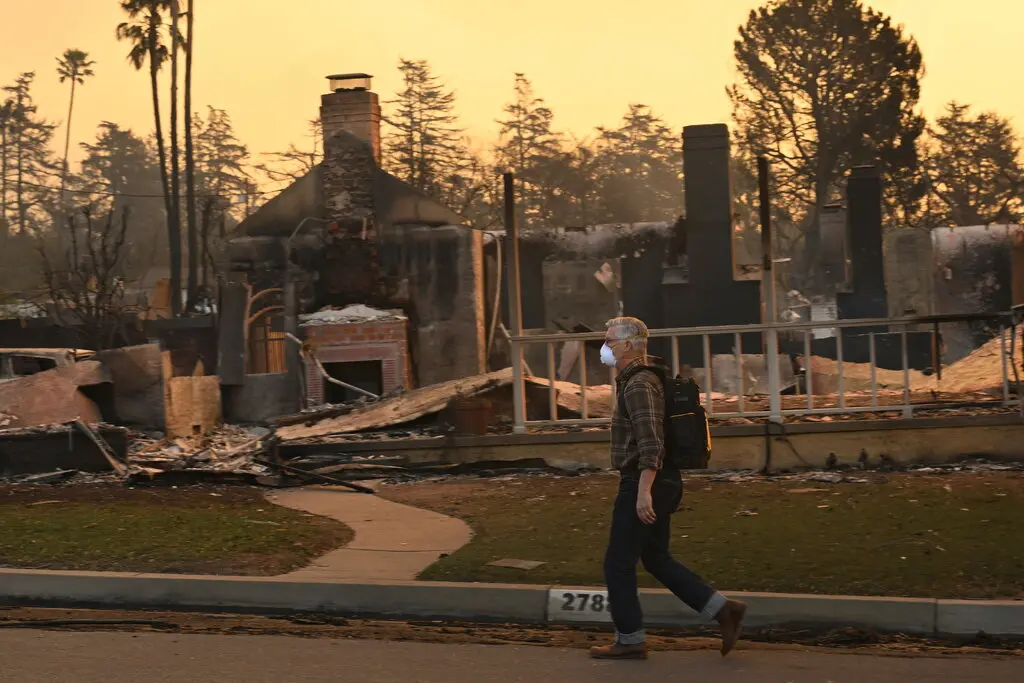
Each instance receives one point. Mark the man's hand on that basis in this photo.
(645, 507)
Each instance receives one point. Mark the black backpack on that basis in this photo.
(687, 433)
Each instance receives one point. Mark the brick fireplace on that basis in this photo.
(372, 354)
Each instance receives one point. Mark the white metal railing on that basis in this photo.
(777, 409)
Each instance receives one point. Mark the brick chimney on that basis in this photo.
(351, 106)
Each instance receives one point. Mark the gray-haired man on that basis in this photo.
(650, 490)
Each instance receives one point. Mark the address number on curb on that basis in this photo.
(578, 606)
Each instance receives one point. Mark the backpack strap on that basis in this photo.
(633, 372)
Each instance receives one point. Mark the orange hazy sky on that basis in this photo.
(264, 61)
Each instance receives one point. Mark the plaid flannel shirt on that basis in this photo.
(638, 436)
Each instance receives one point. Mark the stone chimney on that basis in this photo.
(351, 106)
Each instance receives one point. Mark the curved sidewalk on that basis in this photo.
(393, 542)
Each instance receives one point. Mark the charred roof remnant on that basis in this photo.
(602, 241)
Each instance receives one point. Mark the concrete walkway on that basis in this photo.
(393, 542)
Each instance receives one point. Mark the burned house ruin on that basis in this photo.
(350, 234)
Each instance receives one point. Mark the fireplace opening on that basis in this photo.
(367, 375)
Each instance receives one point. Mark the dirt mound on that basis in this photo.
(981, 370)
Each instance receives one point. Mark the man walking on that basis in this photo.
(650, 490)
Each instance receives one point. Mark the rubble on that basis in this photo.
(227, 450)
(876, 475)
(50, 405)
(74, 446)
(396, 410)
(46, 477)
(356, 313)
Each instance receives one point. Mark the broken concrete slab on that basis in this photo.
(52, 396)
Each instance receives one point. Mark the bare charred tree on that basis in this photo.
(294, 163)
(84, 278)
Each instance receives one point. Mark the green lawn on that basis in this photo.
(202, 531)
(904, 535)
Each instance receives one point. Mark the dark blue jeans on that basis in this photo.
(632, 541)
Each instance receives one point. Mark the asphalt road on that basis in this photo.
(61, 657)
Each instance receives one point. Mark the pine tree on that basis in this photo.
(221, 176)
(641, 165)
(530, 148)
(120, 172)
(27, 160)
(425, 146)
(975, 169)
(825, 85)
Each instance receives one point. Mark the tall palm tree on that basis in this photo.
(74, 66)
(144, 33)
(190, 162)
(175, 152)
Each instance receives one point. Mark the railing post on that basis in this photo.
(515, 307)
(675, 356)
(1005, 365)
(768, 293)
(908, 410)
(583, 380)
(518, 404)
(709, 404)
(738, 351)
(841, 383)
(874, 369)
(552, 389)
(808, 371)
(774, 392)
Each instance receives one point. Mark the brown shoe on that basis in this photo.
(730, 618)
(619, 651)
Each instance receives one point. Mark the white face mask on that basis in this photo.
(607, 356)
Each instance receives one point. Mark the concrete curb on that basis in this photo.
(489, 602)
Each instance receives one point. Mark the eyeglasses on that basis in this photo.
(614, 342)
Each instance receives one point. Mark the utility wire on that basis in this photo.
(152, 196)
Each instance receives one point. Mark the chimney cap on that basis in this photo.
(351, 81)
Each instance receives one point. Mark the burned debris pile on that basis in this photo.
(228, 449)
(53, 427)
